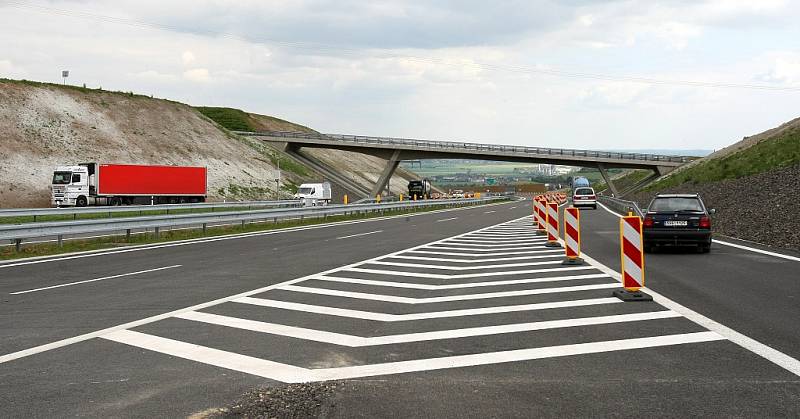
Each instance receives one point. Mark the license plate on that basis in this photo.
(675, 223)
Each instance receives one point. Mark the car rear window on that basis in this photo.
(675, 204)
(584, 191)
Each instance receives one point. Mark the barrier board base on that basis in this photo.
(626, 295)
(541, 232)
(573, 261)
(552, 244)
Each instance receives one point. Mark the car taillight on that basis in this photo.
(705, 222)
(592, 197)
(648, 221)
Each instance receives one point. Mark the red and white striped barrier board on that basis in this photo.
(540, 214)
(552, 224)
(630, 237)
(572, 232)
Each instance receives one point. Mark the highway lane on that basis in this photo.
(755, 294)
(209, 269)
(456, 305)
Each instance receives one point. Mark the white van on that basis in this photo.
(314, 193)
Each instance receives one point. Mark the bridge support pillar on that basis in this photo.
(383, 180)
(607, 178)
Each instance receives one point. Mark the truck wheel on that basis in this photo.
(81, 201)
(116, 201)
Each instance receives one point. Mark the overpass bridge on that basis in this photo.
(395, 150)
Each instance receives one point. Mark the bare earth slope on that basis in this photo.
(45, 125)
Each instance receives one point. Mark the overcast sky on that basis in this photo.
(499, 72)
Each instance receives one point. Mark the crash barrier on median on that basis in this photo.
(19, 232)
(620, 205)
(552, 225)
(632, 259)
(572, 236)
(208, 206)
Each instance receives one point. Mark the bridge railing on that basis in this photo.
(452, 145)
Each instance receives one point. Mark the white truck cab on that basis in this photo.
(314, 193)
(70, 186)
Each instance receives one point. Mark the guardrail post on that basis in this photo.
(34, 218)
(156, 230)
(17, 244)
(205, 227)
(128, 235)
(60, 240)
(243, 222)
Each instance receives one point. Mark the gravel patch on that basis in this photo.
(307, 400)
(762, 208)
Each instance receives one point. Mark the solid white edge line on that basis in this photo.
(94, 280)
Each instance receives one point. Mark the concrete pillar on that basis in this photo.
(609, 183)
(383, 180)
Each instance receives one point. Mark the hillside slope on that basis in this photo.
(45, 125)
(750, 183)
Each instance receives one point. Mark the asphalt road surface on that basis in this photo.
(456, 313)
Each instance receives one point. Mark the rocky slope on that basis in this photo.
(45, 125)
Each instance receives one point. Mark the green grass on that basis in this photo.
(229, 118)
(778, 152)
(69, 246)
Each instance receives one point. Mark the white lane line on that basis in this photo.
(385, 317)
(477, 260)
(413, 285)
(359, 341)
(473, 275)
(513, 208)
(489, 212)
(236, 236)
(136, 323)
(288, 373)
(95, 280)
(724, 243)
(753, 249)
(464, 268)
(359, 234)
(447, 219)
(448, 298)
(526, 252)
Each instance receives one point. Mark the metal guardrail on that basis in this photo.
(36, 212)
(455, 146)
(620, 205)
(19, 232)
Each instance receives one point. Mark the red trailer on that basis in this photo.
(125, 184)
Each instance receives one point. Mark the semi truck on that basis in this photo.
(419, 188)
(314, 193)
(126, 184)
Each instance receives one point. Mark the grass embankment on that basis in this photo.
(781, 151)
(238, 120)
(80, 245)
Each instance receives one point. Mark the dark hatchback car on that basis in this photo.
(677, 220)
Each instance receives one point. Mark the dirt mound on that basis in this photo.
(759, 208)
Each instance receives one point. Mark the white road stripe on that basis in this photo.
(359, 341)
(495, 242)
(463, 268)
(448, 298)
(359, 234)
(466, 246)
(447, 219)
(288, 373)
(385, 317)
(500, 249)
(461, 276)
(412, 285)
(489, 212)
(95, 280)
(526, 252)
(477, 260)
